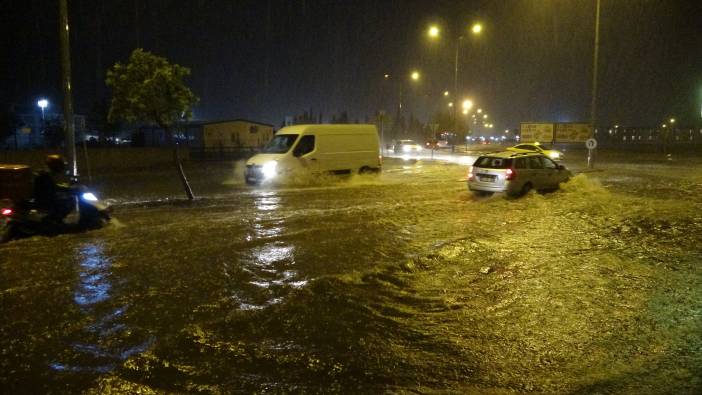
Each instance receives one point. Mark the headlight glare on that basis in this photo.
(269, 169)
(89, 196)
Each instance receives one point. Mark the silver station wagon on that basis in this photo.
(515, 174)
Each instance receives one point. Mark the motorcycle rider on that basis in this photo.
(52, 193)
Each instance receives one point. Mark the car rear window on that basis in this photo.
(490, 162)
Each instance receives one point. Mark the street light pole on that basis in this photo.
(66, 82)
(593, 103)
(455, 86)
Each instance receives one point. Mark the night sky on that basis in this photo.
(265, 59)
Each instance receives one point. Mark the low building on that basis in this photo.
(235, 133)
(227, 135)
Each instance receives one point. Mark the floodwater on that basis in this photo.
(398, 282)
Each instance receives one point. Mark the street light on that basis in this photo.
(415, 75)
(672, 120)
(446, 93)
(450, 104)
(43, 103)
(467, 105)
(480, 110)
(433, 31)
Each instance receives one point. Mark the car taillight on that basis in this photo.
(510, 174)
(470, 173)
(6, 211)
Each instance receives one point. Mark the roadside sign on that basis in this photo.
(536, 131)
(572, 132)
(590, 144)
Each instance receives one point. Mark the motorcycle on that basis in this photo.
(22, 219)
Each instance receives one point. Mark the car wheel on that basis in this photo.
(482, 193)
(525, 189)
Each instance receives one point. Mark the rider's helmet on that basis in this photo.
(55, 163)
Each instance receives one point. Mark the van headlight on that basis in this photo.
(269, 169)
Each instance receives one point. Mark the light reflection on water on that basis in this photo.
(269, 264)
(94, 286)
(97, 351)
(267, 201)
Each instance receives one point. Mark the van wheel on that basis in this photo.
(365, 170)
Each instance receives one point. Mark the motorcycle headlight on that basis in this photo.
(269, 169)
(89, 196)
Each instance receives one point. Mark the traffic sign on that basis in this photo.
(591, 143)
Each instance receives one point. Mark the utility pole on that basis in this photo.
(69, 127)
(593, 103)
(455, 91)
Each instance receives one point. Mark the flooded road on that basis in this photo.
(397, 282)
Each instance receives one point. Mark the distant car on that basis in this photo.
(535, 147)
(406, 147)
(441, 144)
(515, 173)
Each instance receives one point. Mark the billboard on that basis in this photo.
(536, 131)
(554, 132)
(573, 132)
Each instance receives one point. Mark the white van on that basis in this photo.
(336, 149)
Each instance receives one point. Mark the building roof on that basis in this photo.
(228, 121)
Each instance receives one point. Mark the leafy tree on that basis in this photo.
(149, 89)
(9, 122)
(444, 120)
(53, 133)
(99, 119)
(399, 126)
(307, 117)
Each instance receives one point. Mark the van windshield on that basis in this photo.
(280, 144)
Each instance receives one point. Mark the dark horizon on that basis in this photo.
(264, 60)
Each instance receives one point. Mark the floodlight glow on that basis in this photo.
(433, 31)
